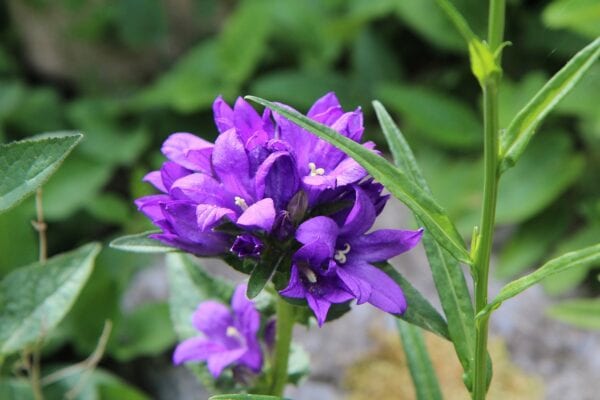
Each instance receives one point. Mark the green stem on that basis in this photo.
(283, 340)
(490, 195)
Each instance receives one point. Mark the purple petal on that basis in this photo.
(350, 125)
(212, 318)
(230, 163)
(182, 217)
(385, 292)
(315, 255)
(223, 115)
(319, 306)
(208, 216)
(170, 172)
(246, 120)
(360, 218)
(151, 207)
(196, 349)
(260, 215)
(322, 229)
(189, 151)
(383, 244)
(359, 288)
(253, 356)
(277, 178)
(347, 172)
(295, 288)
(155, 179)
(217, 362)
(201, 188)
(326, 110)
(248, 317)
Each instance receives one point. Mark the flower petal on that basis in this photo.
(230, 163)
(322, 229)
(277, 178)
(383, 244)
(248, 319)
(360, 289)
(247, 123)
(326, 110)
(320, 307)
(260, 215)
(189, 151)
(196, 349)
(208, 216)
(295, 288)
(155, 179)
(201, 188)
(170, 172)
(385, 292)
(217, 362)
(361, 216)
(223, 114)
(212, 318)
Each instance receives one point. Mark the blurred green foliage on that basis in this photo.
(128, 73)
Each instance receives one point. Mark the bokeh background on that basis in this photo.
(127, 73)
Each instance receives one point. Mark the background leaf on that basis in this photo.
(141, 243)
(52, 289)
(27, 164)
(582, 313)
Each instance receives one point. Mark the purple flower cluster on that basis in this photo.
(229, 336)
(285, 191)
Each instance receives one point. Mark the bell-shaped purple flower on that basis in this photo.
(334, 264)
(229, 336)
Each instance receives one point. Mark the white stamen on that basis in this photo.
(340, 255)
(241, 203)
(314, 171)
(232, 332)
(309, 273)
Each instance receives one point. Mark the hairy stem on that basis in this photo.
(490, 195)
(283, 340)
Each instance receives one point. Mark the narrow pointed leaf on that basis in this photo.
(35, 298)
(447, 274)
(27, 164)
(141, 243)
(433, 216)
(261, 275)
(419, 312)
(576, 259)
(422, 373)
(523, 126)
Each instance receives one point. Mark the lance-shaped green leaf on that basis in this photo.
(421, 370)
(582, 313)
(141, 243)
(421, 203)
(523, 126)
(261, 275)
(576, 259)
(419, 312)
(447, 274)
(27, 164)
(35, 298)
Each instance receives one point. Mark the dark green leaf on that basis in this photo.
(447, 273)
(522, 128)
(16, 389)
(141, 243)
(582, 313)
(261, 275)
(419, 312)
(576, 259)
(51, 290)
(423, 375)
(27, 164)
(420, 202)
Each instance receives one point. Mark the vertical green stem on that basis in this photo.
(283, 340)
(490, 194)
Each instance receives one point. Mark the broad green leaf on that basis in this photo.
(444, 120)
(419, 312)
(16, 388)
(141, 243)
(433, 216)
(51, 290)
(522, 128)
(531, 242)
(13, 224)
(582, 313)
(421, 370)
(245, 397)
(581, 16)
(447, 273)
(576, 259)
(27, 164)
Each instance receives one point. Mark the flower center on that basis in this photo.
(241, 203)
(309, 273)
(340, 255)
(232, 332)
(314, 171)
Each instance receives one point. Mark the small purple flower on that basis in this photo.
(229, 336)
(334, 264)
